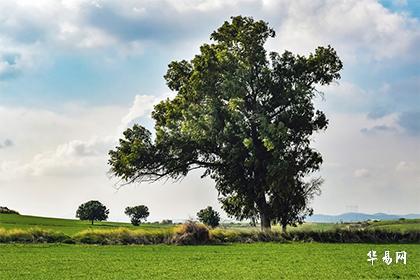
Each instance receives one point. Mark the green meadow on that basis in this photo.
(66, 226)
(237, 261)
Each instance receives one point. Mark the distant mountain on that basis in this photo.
(357, 217)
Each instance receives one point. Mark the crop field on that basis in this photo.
(239, 261)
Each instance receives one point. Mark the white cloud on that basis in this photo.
(142, 105)
(350, 155)
(359, 30)
(403, 166)
(361, 173)
(59, 160)
(80, 149)
(75, 158)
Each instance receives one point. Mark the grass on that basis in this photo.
(66, 226)
(238, 261)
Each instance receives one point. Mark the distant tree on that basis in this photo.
(245, 116)
(166, 222)
(137, 214)
(92, 211)
(5, 210)
(209, 217)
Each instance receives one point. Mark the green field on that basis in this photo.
(294, 260)
(67, 226)
(239, 261)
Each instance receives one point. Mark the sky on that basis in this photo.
(74, 74)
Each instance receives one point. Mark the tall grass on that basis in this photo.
(124, 236)
(244, 236)
(355, 236)
(192, 233)
(32, 235)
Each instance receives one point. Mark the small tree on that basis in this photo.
(137, 214)
(209, 217)
(93, 211)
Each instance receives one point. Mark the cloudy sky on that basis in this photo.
(74, 74)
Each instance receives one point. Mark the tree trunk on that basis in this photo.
(92, 222)
(265, 222)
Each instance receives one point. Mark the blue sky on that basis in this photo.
(74, 74)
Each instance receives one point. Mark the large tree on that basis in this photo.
(242, 115)
(92, 211)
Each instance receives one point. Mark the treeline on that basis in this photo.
(193, 233)
(5, 210)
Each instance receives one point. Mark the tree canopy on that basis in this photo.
(209, 216)
(92, 211)
(245, 117)
(137, 214)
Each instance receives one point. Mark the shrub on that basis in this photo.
(354, 236)
(166, 222)
(244, 236)
(124, 236)
(225, 235)
(191, 233)
(32, 235)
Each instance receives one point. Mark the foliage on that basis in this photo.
(31, 235)
(244, 236)
(209, 216)
(290, 206)
(244, 116)
(191, 233)
(124, 236)
(5, 210)
(93, 211)
(137, 214)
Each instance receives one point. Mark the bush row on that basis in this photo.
(123, 236)
(355, 236)
(192, 233)
(32, 235)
